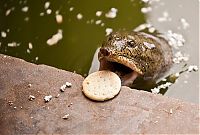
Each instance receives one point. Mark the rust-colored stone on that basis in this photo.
(131, 111)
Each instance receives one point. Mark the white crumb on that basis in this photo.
(174, 39)
(31, 97)
(98, 22)
(49, 11)
(26, 19)
(165, 17)
(151, 29)
(9, 11)
(13, 44)
(57, 96)
(170, 111)
(144, 26)
(184, 23)
(79, 16)
(192, 68)
(71, 9)
(28, 51)
(25, 9)
(59, 18)
(146, 10)
(145, 1)
(36, 58)
(112, 13)
(42, 14)
(30, 45)
(179, 57)
(66, 116)
(68, 84)
(55, 38)
(3, 34)
(156, 90)
(29, 85)
(62, 88)
(99, 13)
(47, 98)
(46, 5)
(108, 31)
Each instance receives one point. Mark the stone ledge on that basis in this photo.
(131, 111)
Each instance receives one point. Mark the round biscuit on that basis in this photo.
(101, 85)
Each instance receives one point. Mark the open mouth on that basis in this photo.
(124, 68)
(116, 67)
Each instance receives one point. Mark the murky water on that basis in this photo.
(81, 37)
(26, 27)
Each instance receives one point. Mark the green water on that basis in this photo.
(80, 39)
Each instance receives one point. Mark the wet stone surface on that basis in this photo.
(130, 112)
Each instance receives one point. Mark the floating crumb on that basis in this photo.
(71, 9)
(179, 57)
(165, 17)
(156, 90)
(25, 9)
(66, 116)
(112, 13)
(36, 58)
(146, 10)
(31, 97)
(79, 16)
(42, 14)
(59, 18)
(102, 24)
(144, 26)
(47, 98)
(184, 23)
(55, 38)
(98, 22)
(145, 1)
(46, 5)
(152, 29)
(49, 11)
(28, 51)
(9, 11)
(174, 39)
(99, 13)
(13, 44)
(26, 19)
(108, 31)
(192, 68)
(3, 34)
(30, 45)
